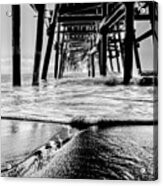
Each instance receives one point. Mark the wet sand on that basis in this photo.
(121, 152)
(20, 138)
(113, 153)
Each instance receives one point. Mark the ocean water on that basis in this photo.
(74, 97)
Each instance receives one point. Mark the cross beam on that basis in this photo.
(80, 18)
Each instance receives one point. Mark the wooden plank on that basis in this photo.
(50, 42)
(16, 56)
(39, 42)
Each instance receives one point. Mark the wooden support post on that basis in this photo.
(100, 63)
(129, 41)
(39, 42)
(16, 45)
(89, 69)
(61, 58)
(50, 42)
(121, 45)
(111, 59)
(103, 50)
(57, 52)
(92, 60)
(93, 65)
(137, 59)
(117, 54)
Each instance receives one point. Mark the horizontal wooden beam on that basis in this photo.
(78, 18)
(75, 7)
(79, 32)
(113, 40)
(77, 24)
(145, 17)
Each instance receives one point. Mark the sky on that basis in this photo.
(28, 36)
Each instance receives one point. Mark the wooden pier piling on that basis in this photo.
(61, 64)
(39, 42)
(92, 60)
(137, 58)
(57, 52)
(120, 44)
(129, 41)
(110, 59)
(50, 42)
(103, 50)
(116, 53)
(100, 62)
(104, 43)
(16, 56)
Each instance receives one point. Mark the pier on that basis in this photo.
(105, 30)
(72, 106)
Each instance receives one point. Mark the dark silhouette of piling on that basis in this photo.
(92, 60)
(39, 43)
(100, 58)
(16, 57)
(61, 61)
(50, 42)
(129, 41)
(137, 58)
(111, 59)
(57, 52)
(103, 48)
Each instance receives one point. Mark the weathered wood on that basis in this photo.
(129, 41)
(144, 36)
(103, 50)
(137, 59)
(121, 45)
(92, 60)
(100, 62)
(61, 58)
(117, 55)
(50, 42)
(39, 42)
(108, 22)
(89, 69)
(144, 17)
(57, 52)
(16, 56)
(78, 7)
(79, 18)
(111, 59)
(154, 24)
(103, 47)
